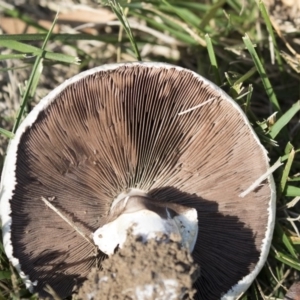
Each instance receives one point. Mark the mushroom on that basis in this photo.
(126, 139)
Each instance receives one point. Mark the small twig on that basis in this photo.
(71, 223)
(195, 107)
(279, 283)
(260, 289)
(290, 204)
(240, 296)
(257, 182)
(5, 288)
(292, 220)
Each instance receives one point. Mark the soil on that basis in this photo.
(155, 270)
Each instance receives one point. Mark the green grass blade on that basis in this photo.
(15, 68)
(266, 17)
(236, 86)
(288, 148)
(286, 156)
(34, 76)
(213, 59)
(118, 10)
(178, 25)
(36, 79)
(263, 75)
(288, 260)
(236, 5)
(5, 275)
(248, 99)
(285, 240)
(286, 172)
(6, 133)
(49, 32)
(292, 191)
(63, 37)
(246, 76)
(20, 47)
(211, 13)
(191, 6)
(34, 51)
(32, 82)
(164, 26)
(284, 120)
(186, 15)
(12, 56)
(60, 57)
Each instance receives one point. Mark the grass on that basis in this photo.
(228, 41)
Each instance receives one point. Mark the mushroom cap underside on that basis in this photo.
(131, 126)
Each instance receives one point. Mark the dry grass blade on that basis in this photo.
(263, 177)
(67, 220)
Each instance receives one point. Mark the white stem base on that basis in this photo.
(146, 223)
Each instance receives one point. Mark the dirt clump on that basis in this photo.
(155, 270)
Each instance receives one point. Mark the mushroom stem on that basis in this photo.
(71, 223)
(150, 220)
